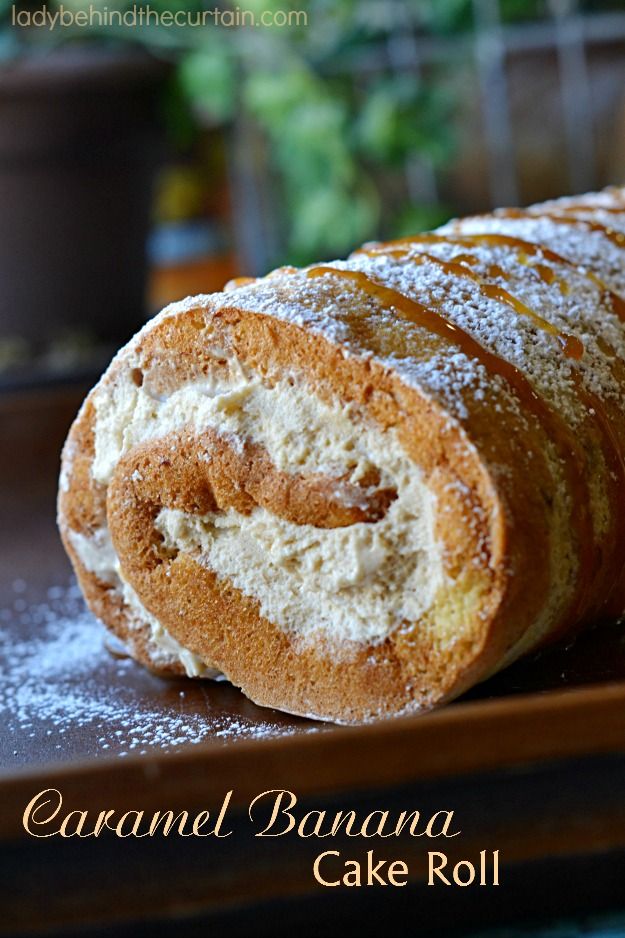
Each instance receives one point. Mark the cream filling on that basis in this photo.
(300, 433)
(98, 556)
(356, 583)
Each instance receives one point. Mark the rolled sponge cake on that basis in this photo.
(356, 489)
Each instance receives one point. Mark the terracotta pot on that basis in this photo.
(79, 143)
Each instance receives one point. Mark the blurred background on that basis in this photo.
(141, 162)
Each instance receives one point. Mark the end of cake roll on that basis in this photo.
(335, 490)
(300, 520)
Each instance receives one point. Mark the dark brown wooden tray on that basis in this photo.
(533, 760)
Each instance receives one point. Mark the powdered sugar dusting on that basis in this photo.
(591, 250)
(64, 694)
(330, 309)
(553, 320)
(571, 303)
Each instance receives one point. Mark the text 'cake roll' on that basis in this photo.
(356, 489)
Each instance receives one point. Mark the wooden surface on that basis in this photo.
(533, 762)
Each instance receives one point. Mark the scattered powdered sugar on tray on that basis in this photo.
(62, 693)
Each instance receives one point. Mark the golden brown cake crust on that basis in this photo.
(256, 655)
(496, 484)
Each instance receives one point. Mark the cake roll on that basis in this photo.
(356, 489)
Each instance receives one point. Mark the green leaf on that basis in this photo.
(208, 77)
(328, 220)
(400, 118)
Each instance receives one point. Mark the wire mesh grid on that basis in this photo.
(565, 32)
(541, 111)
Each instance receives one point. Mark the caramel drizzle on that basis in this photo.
(434, 321)
(237, 282)
(572, 346)
(530, 248)
(469, 238)
(616, 237)
(611, 445)
(580, 207)
(613, 453)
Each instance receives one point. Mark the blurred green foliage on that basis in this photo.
(333, 131)
(339, 130)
